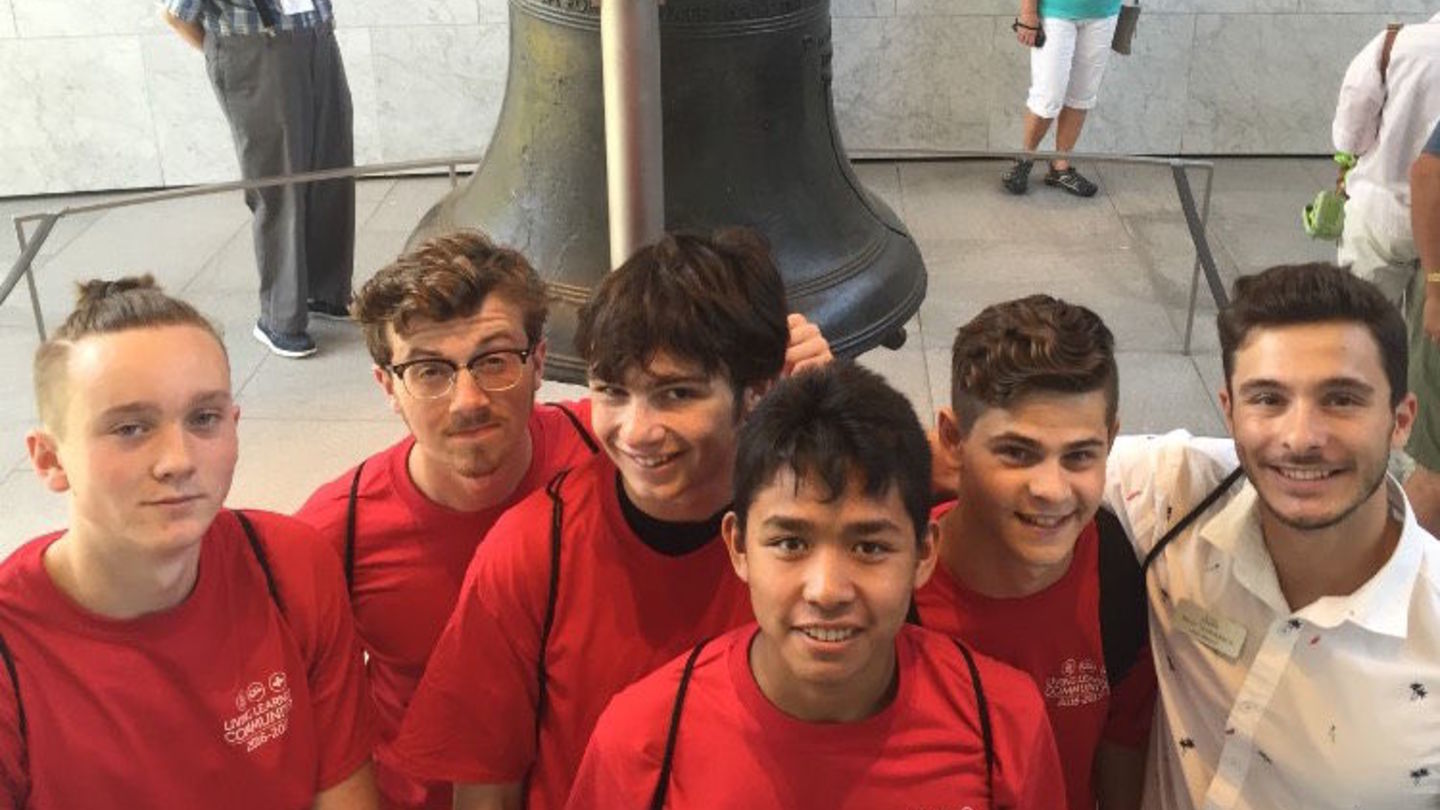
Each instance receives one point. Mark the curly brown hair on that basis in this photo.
(1035, 344)
(447, 277)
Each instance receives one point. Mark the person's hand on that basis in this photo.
(808, 348)
(1028, 29)
(1431, 320)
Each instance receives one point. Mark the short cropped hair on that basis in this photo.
(447, 277)
(716, 301)
(1037, 344)
(105, 307)
(831, 423)
(1298, 294)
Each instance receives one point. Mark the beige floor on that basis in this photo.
(1124, 253)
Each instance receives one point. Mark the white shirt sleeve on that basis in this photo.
(1146, 475)
(1357, 114)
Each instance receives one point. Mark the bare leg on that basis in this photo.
(1035, 129)
(1067, 133)
(1423, 489)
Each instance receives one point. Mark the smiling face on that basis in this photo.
(1309, 407)
(468, 434)
(830, 581)
(149, 445)
(671, 430)
(1031, 476)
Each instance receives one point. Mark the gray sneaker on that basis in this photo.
(300, 345)
(1017, 180)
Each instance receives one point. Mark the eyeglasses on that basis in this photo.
(434, 377)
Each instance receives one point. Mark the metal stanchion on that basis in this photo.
(634, 161)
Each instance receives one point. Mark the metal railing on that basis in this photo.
(31, 244)
(1196, 216)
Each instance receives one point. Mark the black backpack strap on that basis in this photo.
(9, 659)
(579, 428)
(982, 706)
(662, 782)
(1180, 526)
(1124, 616)
(350, 524)
(260, 557)
(557, 526)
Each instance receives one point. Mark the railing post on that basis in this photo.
(24, 265)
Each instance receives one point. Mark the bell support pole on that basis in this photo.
(634, 137)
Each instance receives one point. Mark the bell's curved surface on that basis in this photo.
(749, 138)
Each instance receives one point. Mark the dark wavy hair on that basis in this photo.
(716, 301)
(1030, 345)
(1295, 294)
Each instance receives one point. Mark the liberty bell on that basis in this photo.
(749, 138)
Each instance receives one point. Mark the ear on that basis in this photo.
(386, 381)
(735, 544)
(44, 450)
(948, 438)
(538, 358)
(1227, 408)
(1404, 421)
(947, 463)
(928, 553)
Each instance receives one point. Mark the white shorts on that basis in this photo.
(1388, 262)
(1067, 71)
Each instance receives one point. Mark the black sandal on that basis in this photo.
(1070, 181)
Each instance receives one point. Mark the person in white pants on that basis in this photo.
(1066, 67)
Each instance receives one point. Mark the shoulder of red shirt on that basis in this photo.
(327, 508)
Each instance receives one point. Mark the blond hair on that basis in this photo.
(105, 307)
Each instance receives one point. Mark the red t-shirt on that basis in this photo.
(622, 610)
(223, 701)
(1054, 636)
(410, 558)
(736, 750)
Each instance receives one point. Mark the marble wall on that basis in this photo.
(100, 94)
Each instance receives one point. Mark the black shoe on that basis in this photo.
(284, 345)
(1017, 180)
(328, 311)
(1071, 181)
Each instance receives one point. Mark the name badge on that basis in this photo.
(1216, 632)
(296, 6)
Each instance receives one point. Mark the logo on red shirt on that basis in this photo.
(1080, 683)
(264, 713)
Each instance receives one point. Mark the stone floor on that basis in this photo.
(1125, 253)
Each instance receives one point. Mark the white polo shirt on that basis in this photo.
(1333, 706)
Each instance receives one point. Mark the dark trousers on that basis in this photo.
(288, 105)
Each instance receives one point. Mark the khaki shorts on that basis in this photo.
(1424, 445)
